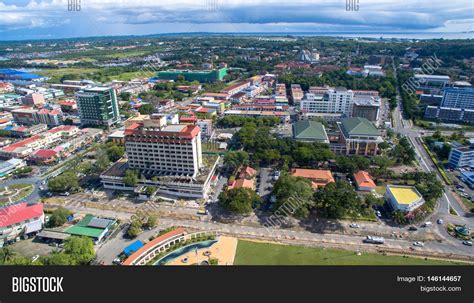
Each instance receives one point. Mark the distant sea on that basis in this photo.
(394, 35)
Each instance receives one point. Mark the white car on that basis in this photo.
(418, 243)
(440, 221)
(354, 225)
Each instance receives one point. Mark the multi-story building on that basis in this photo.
(24, 131)
(206, 127)
(50, 117)
(358, 137)
(432, 83)
(456, 97)
(33, 99)
(98, 106)
(26, 116)
(167, 149)
(338, 100)
(449, 114)
(20, 220)
(368, 108)
(461, 157)
(9, 166)
(235, 88)
(296, 94)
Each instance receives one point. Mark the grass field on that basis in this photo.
(56, 73)
(254, 253)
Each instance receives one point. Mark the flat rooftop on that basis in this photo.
(404, 195)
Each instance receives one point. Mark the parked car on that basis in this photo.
(378, 213)
(467, 243)
(412, 228)
(427, 224)
(440, 221)
(418, 243)
(354, 225)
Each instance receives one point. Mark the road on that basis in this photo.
(448, 200)
(108, 251)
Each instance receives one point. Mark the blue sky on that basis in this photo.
(44, 19)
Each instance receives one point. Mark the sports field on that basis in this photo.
(255, 253)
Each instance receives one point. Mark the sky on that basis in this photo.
(49, 19)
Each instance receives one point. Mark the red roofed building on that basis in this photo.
(20, 219)
(44, 156)
(188, 119)
(363, 181)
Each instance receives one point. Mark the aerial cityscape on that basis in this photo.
(143, 143)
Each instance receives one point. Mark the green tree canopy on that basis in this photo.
(239, 200)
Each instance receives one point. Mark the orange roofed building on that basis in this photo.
(242, 183)
(247, 172)
(318, 177)
(363, 181)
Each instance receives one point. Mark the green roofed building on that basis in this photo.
(310, 131)
(203, 76)
(359, 137)
(92, 227)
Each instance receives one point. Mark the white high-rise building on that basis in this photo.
(338, 100)
(159, 149)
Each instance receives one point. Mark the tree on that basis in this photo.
(67, 181)
(125, 96)
(68, 121)
(115, 152)
(337, 200)
(239, 200)
(296, 193)
(135, 228)
(81, 249)
(57, 258)
(59, 217)
(404, 152)
(6, 254)
(151, 221)
(372, 200)
(131, 178)
(146, 109)
(235, 159)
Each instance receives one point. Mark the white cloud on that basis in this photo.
(378, 15)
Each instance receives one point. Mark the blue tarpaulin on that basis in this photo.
(133, 247)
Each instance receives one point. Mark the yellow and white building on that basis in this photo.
(403, 198)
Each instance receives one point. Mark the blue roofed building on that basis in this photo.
(135, 246)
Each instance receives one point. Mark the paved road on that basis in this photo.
(448, 200)
(107, 251)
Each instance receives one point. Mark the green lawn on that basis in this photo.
(253, 253)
